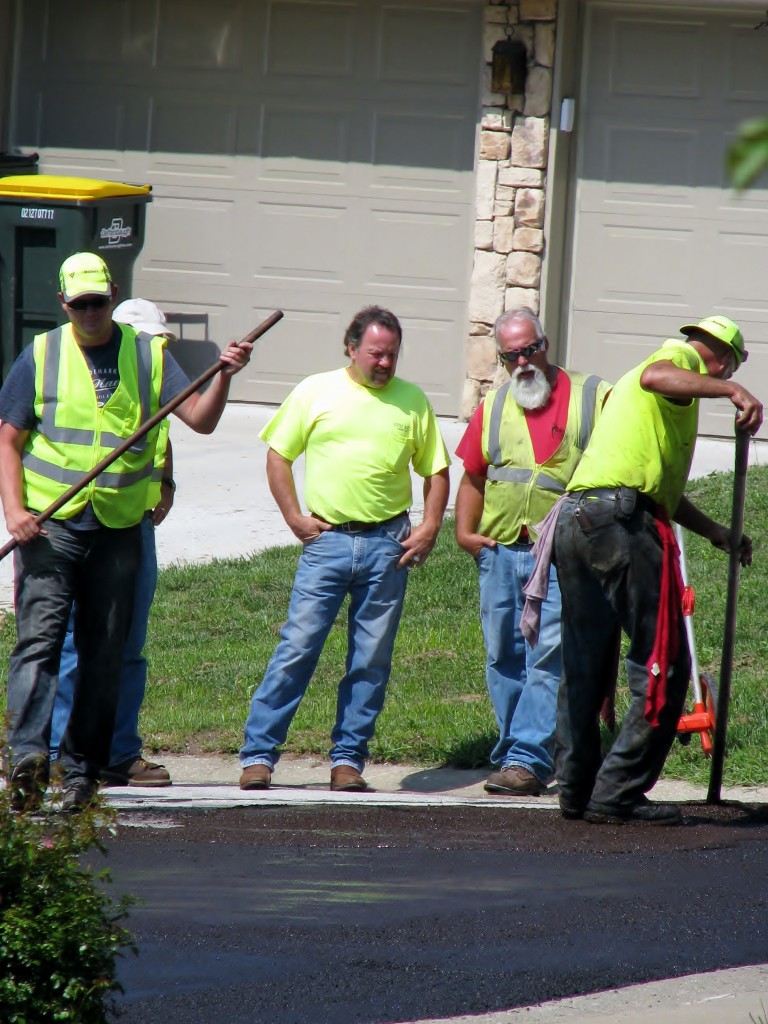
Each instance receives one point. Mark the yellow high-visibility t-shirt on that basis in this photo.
(358, 443)
(644, 440)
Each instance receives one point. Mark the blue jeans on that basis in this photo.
(522, 681)
(126, 741)
(363, 565)
(97, 570)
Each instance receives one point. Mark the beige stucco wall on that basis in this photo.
(511, 187)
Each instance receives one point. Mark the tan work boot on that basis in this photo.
(514, 781)
(256, 776)
(347, 779)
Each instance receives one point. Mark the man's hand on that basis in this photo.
(750, 415)
(236, 355)
(720, 538)
(417, 547)
(22, 526)
(473, 543)
(308, 528)
(164, 506)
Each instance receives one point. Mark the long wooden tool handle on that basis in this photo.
(153, 420)
(731, 603)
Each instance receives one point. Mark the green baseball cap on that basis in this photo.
(723, 329)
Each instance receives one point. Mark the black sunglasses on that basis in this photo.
(94, 302)
(528, 351)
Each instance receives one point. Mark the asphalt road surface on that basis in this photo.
(324, 915)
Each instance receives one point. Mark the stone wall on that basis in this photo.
(511, 187)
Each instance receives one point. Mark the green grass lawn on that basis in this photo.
(214, 627)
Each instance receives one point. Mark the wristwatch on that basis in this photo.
(168, 481)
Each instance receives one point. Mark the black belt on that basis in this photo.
(613, 494)
(355, 526)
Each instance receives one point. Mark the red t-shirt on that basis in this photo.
(546, 427)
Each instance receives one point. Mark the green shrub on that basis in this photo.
(60, 931)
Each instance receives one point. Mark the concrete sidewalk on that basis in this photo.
(209, 780)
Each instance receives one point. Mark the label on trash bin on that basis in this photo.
(37, 213)
(116, 236)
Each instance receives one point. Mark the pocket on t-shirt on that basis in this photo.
(401, 445)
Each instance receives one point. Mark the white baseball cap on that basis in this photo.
(143, 315)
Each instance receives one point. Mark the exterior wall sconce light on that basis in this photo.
(509, 66)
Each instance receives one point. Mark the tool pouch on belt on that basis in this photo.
(626, 503)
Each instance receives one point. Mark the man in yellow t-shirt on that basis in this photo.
(360, 429)
(617, 565)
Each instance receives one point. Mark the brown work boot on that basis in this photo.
(256, 776)
(137, 771)
(347, 779)
(514, 781)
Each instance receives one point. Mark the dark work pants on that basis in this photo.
(610, 575)
(96, 569)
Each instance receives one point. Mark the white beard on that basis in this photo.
(530, 393)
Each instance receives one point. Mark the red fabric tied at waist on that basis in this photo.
(667, 643)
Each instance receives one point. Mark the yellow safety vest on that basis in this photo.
(518, 492)
(74, 434)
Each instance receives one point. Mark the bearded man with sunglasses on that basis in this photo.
(69, 400)
(520, 450)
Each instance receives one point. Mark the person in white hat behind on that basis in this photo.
(127, 766)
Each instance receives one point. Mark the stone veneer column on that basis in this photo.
(511, 187)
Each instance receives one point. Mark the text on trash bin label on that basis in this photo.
(37, 213)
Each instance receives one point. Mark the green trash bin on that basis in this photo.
(43, 220)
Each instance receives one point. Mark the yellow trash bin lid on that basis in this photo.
(52, 187)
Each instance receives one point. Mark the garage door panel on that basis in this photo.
(313, 336)
(304, 131)
(192, 235)
(420, 239)
(80, 121)
(425, 332)
(624, 164)
(745, 69)
(741, 275)
(193, 124)
(300, 242)
(642, 265)
(432, 140)
(415, 45)
(91, 36)
(324, 47)
(213, 36)
(674, 46)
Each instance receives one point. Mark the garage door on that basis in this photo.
(311, 156)
(660, 238)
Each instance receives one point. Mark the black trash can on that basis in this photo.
(43, 220)
(18, 163)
